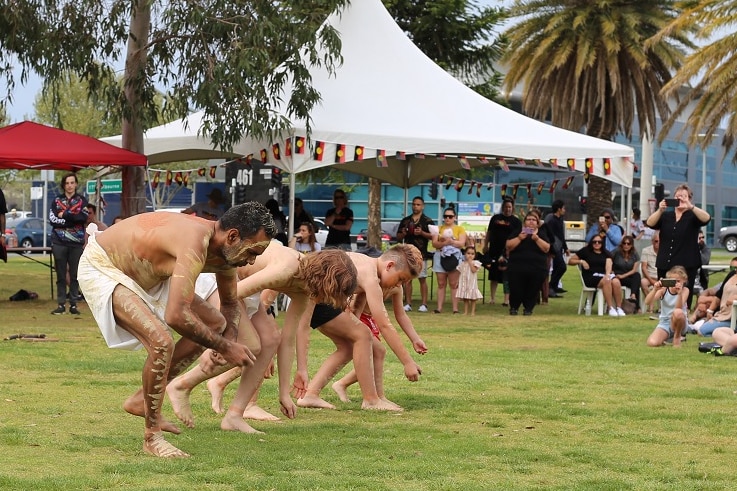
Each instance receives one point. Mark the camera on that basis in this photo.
(672, 202)
(668, 282)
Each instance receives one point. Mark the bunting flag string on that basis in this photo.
(358, 153)
(340, 154)
(288, 147)
(264, 156)
(275, 150)
(458, 183)
(381, 159)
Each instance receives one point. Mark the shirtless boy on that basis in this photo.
(139, 278)
(328, 276)
(393, 268)
(379, 352)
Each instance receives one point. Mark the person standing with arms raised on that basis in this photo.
(415, 230)
(339, 221)
(679, 231)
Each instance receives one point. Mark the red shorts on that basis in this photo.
(369, 322)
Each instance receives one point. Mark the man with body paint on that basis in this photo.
(139, 280)
(327, 276)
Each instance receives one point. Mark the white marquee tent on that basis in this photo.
(387, 95)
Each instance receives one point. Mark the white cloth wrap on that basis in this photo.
(98, 277)
(206, 285)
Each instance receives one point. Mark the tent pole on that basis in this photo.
(150, 190)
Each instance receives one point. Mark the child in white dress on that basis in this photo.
(468, 285)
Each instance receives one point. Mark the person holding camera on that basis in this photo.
(528, 249)
(447, 243)
(672, 293)
(609, 231)
(415, 230)
(679, 231)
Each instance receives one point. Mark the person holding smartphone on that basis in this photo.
(609, 231)
(672, 293)
(679, 231)
(528, 249)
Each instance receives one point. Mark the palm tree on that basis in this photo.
(714, 67)
(585, 66)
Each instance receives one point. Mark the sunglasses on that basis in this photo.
(338, 197)
(596, 242)
(449, 216)
(626, 243)
(607, 217)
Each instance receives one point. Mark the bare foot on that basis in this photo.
(179, 397)
(340, 389)
(397, 406)
(254, 412)
(156, 445)
(380, 405)
(216, 392)
(315, 402)
(234, 422)
(134, 405)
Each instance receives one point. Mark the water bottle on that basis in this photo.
(588, 306)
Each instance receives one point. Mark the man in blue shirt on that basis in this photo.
(608, 230)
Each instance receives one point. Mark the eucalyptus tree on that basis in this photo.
(585, 65)
(231, 59)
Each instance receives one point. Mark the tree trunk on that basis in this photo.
(374, 213)
(600, 197)
(133, 199)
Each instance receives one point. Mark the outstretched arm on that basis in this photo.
(375, 302)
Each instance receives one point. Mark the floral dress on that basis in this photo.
(468, 285)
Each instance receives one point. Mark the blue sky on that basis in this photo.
(24, 95)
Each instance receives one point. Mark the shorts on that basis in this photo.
(708, 327)
(371, 324)
(323, 314)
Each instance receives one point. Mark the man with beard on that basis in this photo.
(139, 280)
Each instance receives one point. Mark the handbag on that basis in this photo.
(449, 263)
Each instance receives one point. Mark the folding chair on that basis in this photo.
(587, 293)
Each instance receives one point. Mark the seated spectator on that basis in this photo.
(648, 268)
(626, 267)
(719, 313)
(596, 270)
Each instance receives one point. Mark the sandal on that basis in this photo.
(436, 311)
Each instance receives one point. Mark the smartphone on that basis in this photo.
(528, 231)
(602, 219)
(668, 282)
(672, 202)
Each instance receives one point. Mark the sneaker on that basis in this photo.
(73, 310)
(613, 312)
(513, 311)
(59, 310)
(423, 308)
(620, 312)
(708, 347)
(408, 308)
(654, 317)
(527, 312)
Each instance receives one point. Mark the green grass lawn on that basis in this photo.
(551, 401)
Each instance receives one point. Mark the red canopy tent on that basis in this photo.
(30, 145)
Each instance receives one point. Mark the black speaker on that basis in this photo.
(659, 193)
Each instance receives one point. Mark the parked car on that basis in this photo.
(14, 216)
(321, 231)
(728, 237)
(29, 232)
(386, 238)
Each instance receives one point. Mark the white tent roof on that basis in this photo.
(388, 95)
